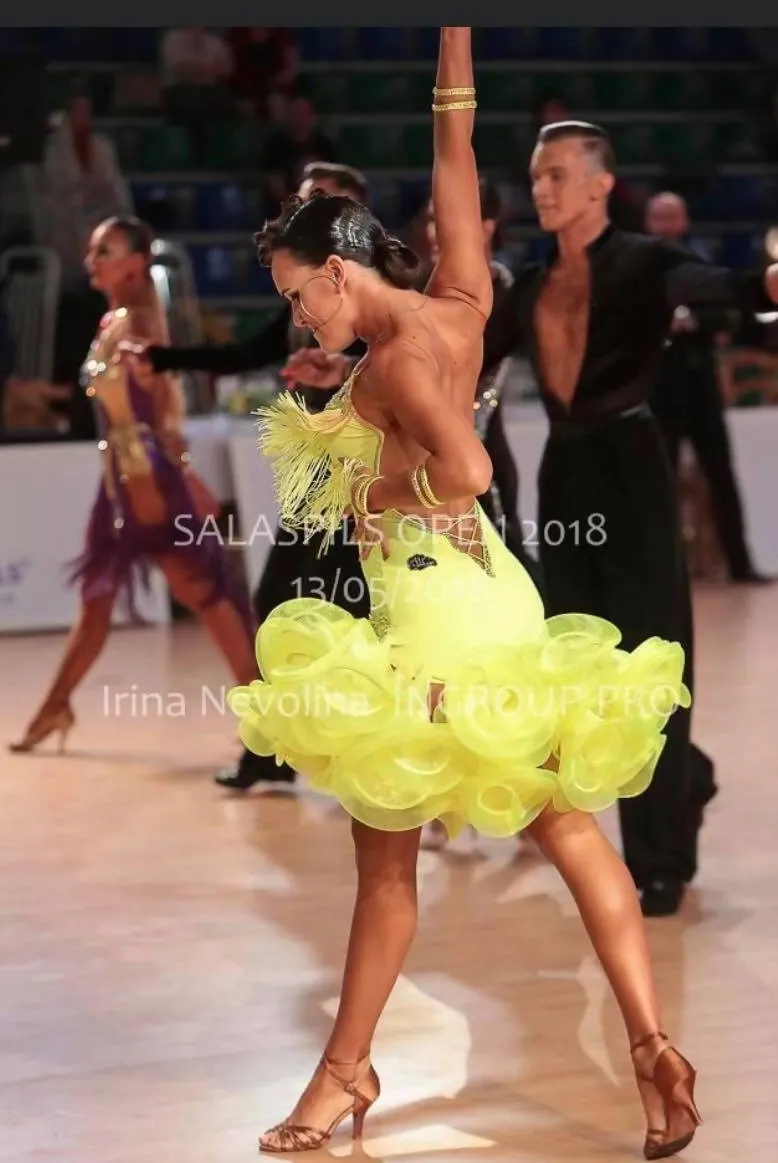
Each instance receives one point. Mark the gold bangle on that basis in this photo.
(421, 487)
(426, 488)
(359, 495)
(462, 92)
(452, 105)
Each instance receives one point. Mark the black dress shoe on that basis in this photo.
(253, 769)
(661, 898)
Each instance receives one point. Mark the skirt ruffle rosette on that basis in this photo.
(570, 721)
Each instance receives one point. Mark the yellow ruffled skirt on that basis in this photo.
(458, 700)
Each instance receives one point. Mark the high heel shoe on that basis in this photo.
(669, 1087)
(43, 725)
(290, 1137)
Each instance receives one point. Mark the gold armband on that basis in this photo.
(454, 105)
(359, 495)
(462, 91)
(453, 92)
(421, 486)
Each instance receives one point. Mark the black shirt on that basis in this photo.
(637, 281)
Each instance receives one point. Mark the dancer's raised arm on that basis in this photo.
(462, 270)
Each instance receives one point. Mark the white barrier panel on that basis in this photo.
(254, 499)
(47, 490)
(46, 494)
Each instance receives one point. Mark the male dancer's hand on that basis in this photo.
(309, 368)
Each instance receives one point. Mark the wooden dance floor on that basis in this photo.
(171, 955)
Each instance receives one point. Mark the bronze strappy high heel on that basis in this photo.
(43, 725)
(671, 1086)
(291, 1137)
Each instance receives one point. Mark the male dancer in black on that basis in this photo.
(292, 558)
(595, 316)
(688, 403)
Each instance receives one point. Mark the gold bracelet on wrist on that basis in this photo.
(461, 92)
(359, 495)
(424, 483)
(453, 105)
(421, 487)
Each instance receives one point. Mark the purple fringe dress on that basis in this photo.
(119, 548)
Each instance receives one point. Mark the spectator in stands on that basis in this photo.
(292, 146)
(687, 398)
(266, 67)
(82, 185)
(197, 66)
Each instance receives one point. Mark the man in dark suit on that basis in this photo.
(687, 400)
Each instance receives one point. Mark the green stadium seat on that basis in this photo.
(330, 91)
(622, 91)
(505, 90)
(380, 92)
(736, 141)
(128, 143)
(233, 147)
(417, 145)
(633, 143)
(373, 146)
(575, 88)
(685, 145)
(506, 145)
(740, 89)
(165, 148)
(682, 91)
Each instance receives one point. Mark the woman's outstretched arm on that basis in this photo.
(462, 271)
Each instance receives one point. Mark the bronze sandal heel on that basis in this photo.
(672, 1082)
(287, 1137)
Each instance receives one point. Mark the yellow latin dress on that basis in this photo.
(457, 699)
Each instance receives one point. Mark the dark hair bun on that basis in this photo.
(327, 224)
(396, 262)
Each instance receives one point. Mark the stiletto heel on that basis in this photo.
(671, 1082)
(359, 1121)
(289, 1137)
(60, 722)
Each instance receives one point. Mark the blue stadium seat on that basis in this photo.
(411, 196)
(382, 44)
(618, 44)
(730, 44)
(505, 44)
(425, 43)
(325, 44)
(560, 44)
(221, 206)
(679, 44)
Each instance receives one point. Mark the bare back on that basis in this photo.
(449, 335)
(562, 330)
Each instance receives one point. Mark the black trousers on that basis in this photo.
(688, 406)
(610, 545)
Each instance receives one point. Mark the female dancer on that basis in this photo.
(455, 700)
(147, 484)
